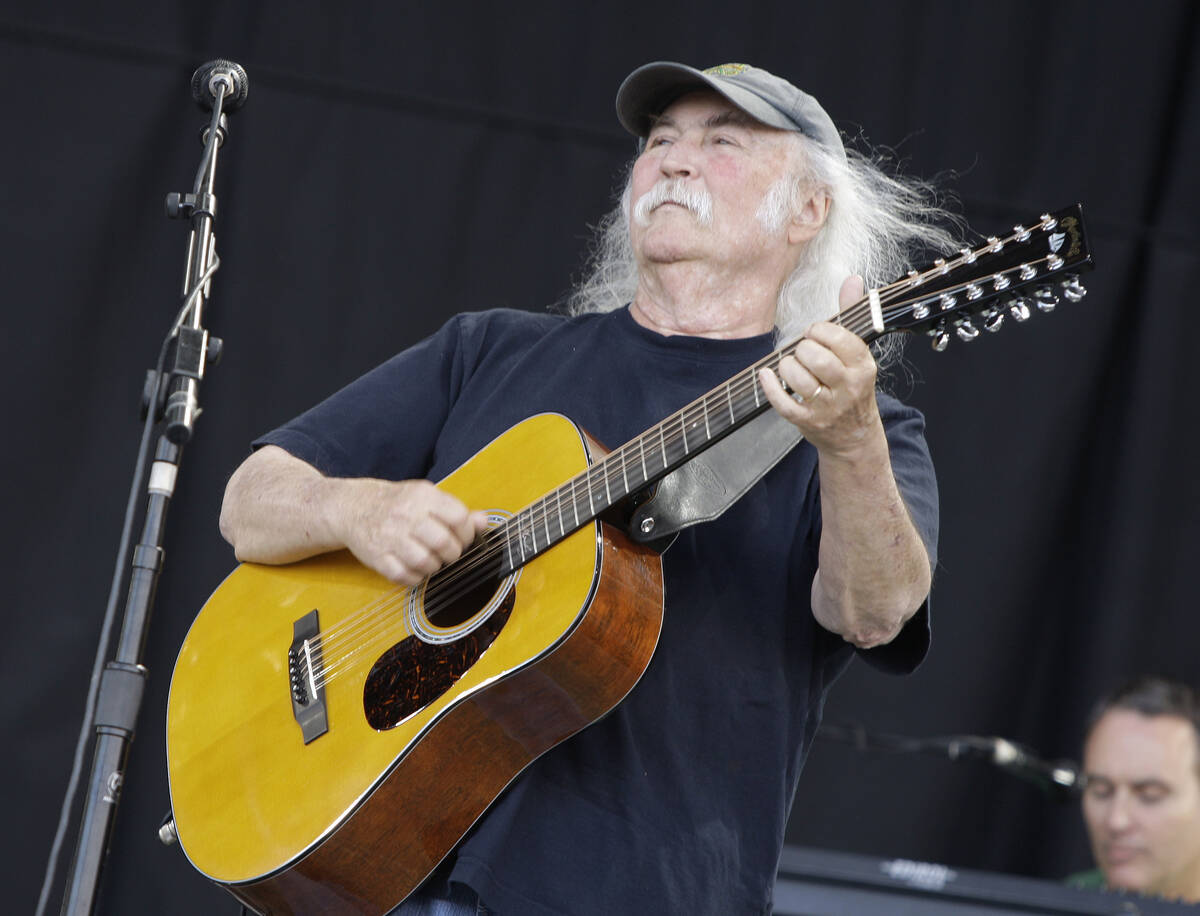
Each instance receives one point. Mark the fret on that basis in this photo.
(624, 475)
(662, 443)
(675, 440)
(729, 401)
(546, 521)
(693, 423)
(704, 407)
(591, 505)
(562, 530)
(532, 524)
(607, 492)
(521, 540)
(642, 449)
(574, 502)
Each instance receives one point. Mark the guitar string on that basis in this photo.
(329, 640)
(537, 518)
(677, 424)
(544, 507)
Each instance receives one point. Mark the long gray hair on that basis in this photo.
(877, 226)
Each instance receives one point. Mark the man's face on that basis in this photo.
(718, 159)
(1142, 802)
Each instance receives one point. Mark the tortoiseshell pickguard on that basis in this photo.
(413, 673)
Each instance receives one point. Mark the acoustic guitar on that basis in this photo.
(331, 736)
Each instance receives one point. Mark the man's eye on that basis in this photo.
(658, 141)
(1151, 795)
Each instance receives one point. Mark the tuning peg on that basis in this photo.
(1045, 298)
(965, 330)
(1073, 289)
(1000, 281)
(973, 291)
(992, 319)
(941, 338)
(1019, 308)
(947, 301)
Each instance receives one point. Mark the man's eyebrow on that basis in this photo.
(660, 120)
(732, 116)
(1150, 784)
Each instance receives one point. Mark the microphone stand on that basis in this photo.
(172, 398)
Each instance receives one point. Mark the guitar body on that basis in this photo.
(420, 734)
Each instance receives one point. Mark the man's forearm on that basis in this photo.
(279, 509)
(275, 509)
(873, 569)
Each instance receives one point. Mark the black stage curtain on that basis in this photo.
(397, 163)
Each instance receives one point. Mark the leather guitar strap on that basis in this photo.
(715, 479)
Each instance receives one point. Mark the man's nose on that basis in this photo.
(679, 160)
(1118, 815)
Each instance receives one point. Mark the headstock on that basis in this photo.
(1025, 271)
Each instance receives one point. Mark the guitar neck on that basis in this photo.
(939, 300)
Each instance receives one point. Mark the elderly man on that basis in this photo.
(1141, 798)
(742, 217)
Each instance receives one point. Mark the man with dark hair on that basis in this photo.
(1141, 798)
(742, 217)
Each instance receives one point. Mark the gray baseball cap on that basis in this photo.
(649, 89)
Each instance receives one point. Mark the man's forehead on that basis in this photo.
(711, 108)
(1130, 746)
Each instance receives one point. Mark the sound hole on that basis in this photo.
(451, 598)
(412, 674)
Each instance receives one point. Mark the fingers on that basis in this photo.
(408, 530)
(853, 289)
(826, 384)
(781, 400)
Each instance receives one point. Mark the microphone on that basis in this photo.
(1061, 779)
(208, 77)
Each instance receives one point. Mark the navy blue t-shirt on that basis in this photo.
(677, 801)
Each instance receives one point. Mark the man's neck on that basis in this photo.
(687, 299)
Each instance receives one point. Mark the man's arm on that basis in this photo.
(873, 568)
(278, 509)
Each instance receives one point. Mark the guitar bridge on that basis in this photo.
(306, 676)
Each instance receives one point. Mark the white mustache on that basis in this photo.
(675, 191)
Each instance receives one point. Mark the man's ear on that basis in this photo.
(808, 219)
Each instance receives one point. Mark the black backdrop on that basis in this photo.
(395, 164)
